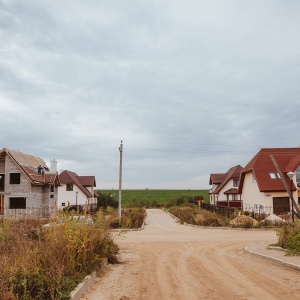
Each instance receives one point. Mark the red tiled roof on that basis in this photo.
(217, 178)
(80, 181)
(87, 180)
(231, 191)
(232, 173)
(288, 159)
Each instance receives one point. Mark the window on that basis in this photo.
(69, 187)
(274, 175)
(2, 180)
(235, 182)
(17, 203)
(52, 188)
(51, 196)
(14, 178)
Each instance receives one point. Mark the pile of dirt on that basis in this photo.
(244, 221)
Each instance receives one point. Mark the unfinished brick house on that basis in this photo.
(28, 189)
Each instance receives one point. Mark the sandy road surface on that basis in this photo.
(167, 260)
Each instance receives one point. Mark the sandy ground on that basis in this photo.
(167, 260)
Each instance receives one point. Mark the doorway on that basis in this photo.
(281, 205)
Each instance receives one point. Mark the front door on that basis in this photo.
(281, 205)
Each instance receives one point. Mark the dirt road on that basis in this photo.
(167, 260)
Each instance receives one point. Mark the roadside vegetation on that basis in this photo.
(289, 238)
(130, 218)
(196, 216)
(48, 262)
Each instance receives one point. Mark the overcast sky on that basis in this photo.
(191, 87)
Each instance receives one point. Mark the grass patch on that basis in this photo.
(152, 198)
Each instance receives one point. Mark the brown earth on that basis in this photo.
(167, 260)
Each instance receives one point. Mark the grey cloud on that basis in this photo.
(191, 87)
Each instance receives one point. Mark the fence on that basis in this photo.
(220, 210)
(29, 213)
(41, 212)
(233, 204)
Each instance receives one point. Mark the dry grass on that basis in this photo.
(48, 263)
(130, 218)
(196, 216)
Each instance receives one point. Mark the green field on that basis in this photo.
(160, 196)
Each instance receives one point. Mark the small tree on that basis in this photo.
(105, 200)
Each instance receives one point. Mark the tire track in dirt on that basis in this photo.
(172, 261)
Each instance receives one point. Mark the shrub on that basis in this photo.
(180, 201)
(289, 238)
(130, 218)
(196, 216)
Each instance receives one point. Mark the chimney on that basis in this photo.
(53, 165)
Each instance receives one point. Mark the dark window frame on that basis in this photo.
(69, 187)
(14, 178)
(17, 203)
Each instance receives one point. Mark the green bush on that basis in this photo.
(289, 238)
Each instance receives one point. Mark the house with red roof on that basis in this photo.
(77, 191)
(28, 188)
(224, 191)
(265, 185)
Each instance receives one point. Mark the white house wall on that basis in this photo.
(69, 197)
(254, 200)
(227, 186)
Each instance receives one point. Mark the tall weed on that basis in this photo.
(47, 263)
(130, 218)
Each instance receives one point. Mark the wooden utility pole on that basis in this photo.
(120, 184)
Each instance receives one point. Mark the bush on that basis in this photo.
(180, 201)
(105, 200)
(289, 238)
(130, 218)
(196, 216)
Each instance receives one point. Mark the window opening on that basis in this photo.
(17, 203)
(69, 187)
(14, 178)
(235, 182)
